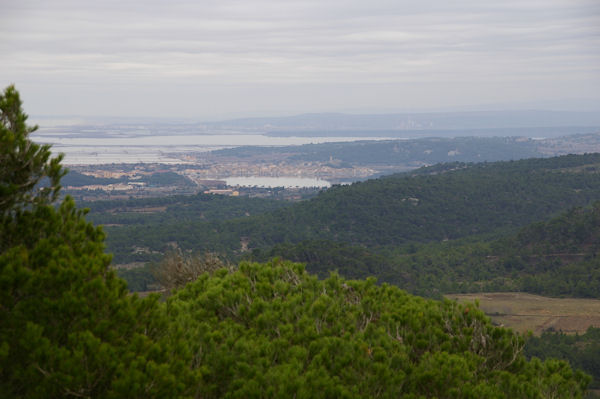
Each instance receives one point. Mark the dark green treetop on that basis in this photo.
(23, 163)
(273, 330)
(68, 327)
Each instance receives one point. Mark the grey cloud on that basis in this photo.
(325, 45)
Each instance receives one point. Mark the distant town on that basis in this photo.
(297, 172)
(123, 181)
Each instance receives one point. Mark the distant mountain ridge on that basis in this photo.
(418, 121)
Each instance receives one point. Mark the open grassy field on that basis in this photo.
(525, 312)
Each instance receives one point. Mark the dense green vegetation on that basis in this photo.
(178, 209)
(75, 178)
(167, 179)
(272, 330)
(576, 232)
(443, 202)
(400, 152)
(68, 327)
(582, 351)
(555, 258)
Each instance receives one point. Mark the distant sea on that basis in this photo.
(169, 149)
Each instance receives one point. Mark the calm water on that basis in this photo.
(115, 147)
(162, 148)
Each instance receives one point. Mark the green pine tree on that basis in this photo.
(68, 327)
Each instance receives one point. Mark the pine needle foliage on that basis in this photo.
(273, 330)
(177, 268)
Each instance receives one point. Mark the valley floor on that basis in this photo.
(526, 312)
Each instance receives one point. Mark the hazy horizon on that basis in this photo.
(483, 119)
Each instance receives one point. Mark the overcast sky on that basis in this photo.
(207, 60)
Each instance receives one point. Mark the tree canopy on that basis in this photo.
(68, 327)
(24, 163)
(273, 330)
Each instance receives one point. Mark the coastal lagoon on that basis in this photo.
(160, 148)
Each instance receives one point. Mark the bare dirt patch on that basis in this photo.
(526, 312)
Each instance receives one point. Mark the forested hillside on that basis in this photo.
(557, 258)
(178, 209)
(576, 232)
(414, 152)
(68, 327)
(582, 351)
(554, 258)
(77, 179)
(435, 204)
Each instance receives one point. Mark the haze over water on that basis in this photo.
(162, 148)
